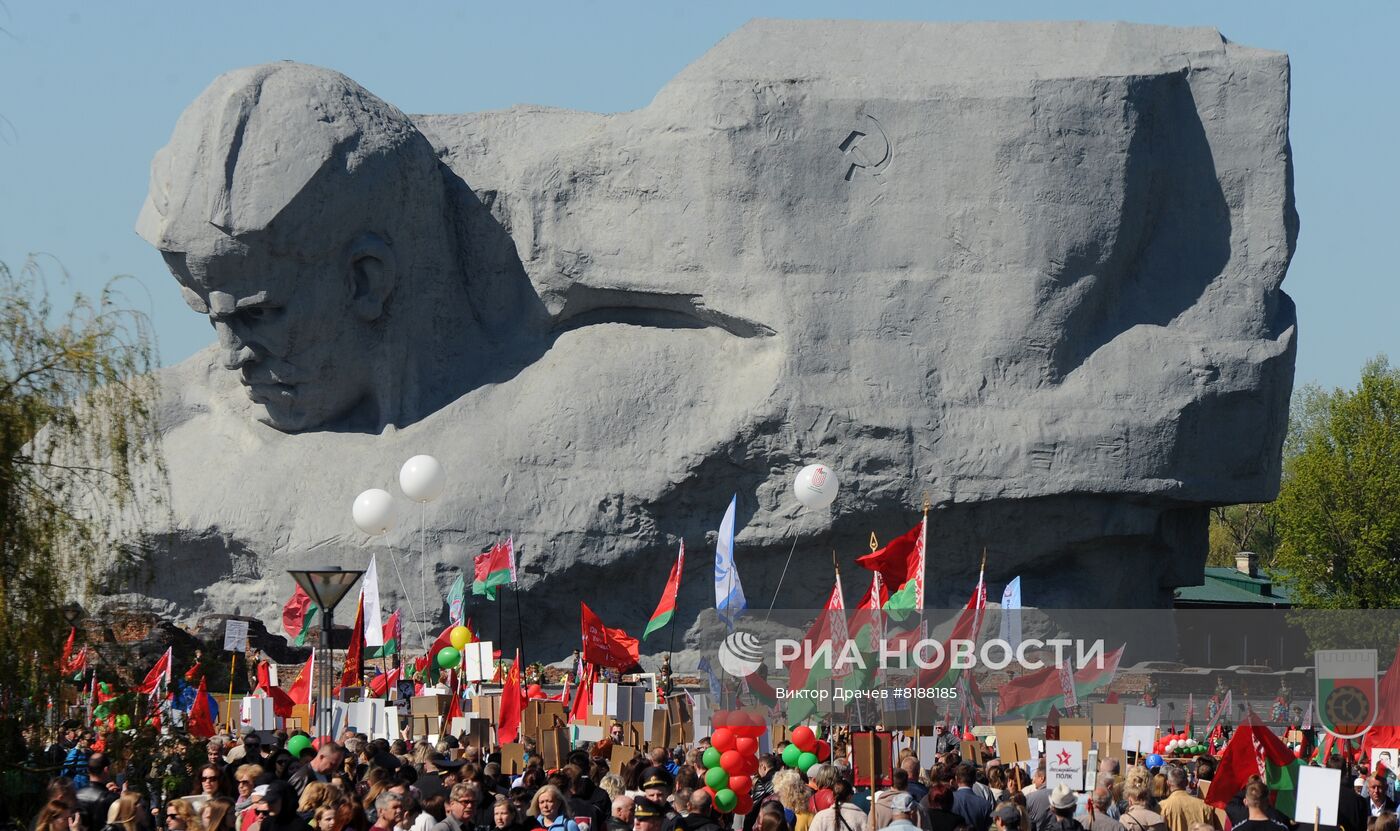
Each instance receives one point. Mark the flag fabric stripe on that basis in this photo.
(372, 630)
(494, 568)
(729, 591)
(354, 656)
(666, 606)
(389, 637)
(1032, 695)
(605, 646)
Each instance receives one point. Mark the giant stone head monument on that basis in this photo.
(1030, 271)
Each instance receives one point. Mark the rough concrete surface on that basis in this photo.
(1032, 270)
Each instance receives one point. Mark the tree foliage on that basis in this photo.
(1236, 528)
(1338, 512)
(79, 463)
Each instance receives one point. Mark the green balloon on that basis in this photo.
(791, 754)
(296, 744)
(449, 657)
(726, 800)
(805, 761)
(711, 757)
(717, 778)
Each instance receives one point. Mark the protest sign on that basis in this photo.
(235, 635)
(1140, 726)
(1064, 765)
(1319, 791)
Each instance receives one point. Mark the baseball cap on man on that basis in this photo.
(902, 803)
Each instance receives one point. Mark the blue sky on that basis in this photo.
(89, 91)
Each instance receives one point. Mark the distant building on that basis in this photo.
(1241, 587)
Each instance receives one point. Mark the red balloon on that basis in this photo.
(823, 750)
(732, 761)
(745, 803)
(723, 739)
(534, 691)
(823, 799)
(711, 791)
(320, 740)
(804, 738)
(741, 784)
(746, 745)
(750, 765)
(967, 736)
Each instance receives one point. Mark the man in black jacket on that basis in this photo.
(100, 793)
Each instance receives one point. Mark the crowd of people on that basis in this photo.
(356, 783)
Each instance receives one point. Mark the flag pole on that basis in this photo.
(674, 616)
(228, 702)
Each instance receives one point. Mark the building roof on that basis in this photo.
(1231, 587)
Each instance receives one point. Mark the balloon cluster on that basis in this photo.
(730, 763)
(421, 479)
(450, 656)
(1179, 744)
(806, 749)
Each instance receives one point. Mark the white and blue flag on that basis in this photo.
(1011, 613)
(729, 592)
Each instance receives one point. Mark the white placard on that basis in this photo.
(927, 750)
(590, 732)
(389, 726)
(235, 635)
(477, 661)
(365, 716)
(1318, 789)
(1064, 765)
(256, 711)
(1383, 756)
(272, 674)
(604, 699)
(1140, 728)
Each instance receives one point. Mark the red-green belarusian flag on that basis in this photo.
(393, 631)
(1032, 695)
(901, 565)
(1254, 749)
(297, 615)
(494, 568)
(666, 607)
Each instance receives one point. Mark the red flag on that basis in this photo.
(583, 696)
(1386, 731)
(454, 709)
(1252, 748)
(355, 655)
(897, 562)
(666, 606)
(380, 684)
(193, 673)
(200, 723)
(68, 651)
(512, 705)
(294, 613)
(282, 703)
(300, 693)
(264, 677)
(159, 674)
(606, 647)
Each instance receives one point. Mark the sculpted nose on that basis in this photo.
(233, 350)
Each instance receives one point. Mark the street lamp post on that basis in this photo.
(326, 587)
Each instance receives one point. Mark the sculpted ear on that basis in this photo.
(372, 274)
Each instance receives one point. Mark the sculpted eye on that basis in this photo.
(253, 313)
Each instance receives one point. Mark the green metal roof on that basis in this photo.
(1230, 587)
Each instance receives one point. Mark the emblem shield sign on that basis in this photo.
(1347, 691)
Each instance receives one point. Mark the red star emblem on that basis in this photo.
(1063, 757)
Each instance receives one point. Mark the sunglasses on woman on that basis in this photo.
(209, 778)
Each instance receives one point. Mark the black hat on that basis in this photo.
(446, 762)
(643, 808)
(1007, 813)
(656, 777)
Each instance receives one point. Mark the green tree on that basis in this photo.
(79, 463)
(1338, 512)
(1236, 528)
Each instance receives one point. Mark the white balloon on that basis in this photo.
(422, 478)
(815, 486)
(374, 512)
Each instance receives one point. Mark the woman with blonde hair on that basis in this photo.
(122, 815)
(795, 797)
(316, 795)
(246, 779)
(551, 811)
(180, 816)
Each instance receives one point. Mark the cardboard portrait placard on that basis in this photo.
(1108, 723)
(1013, 743)
(513, 758)
(1077, 730)
(969, 750)
(873, 758)
(554, 748)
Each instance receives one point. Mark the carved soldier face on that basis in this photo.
(298, 330)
